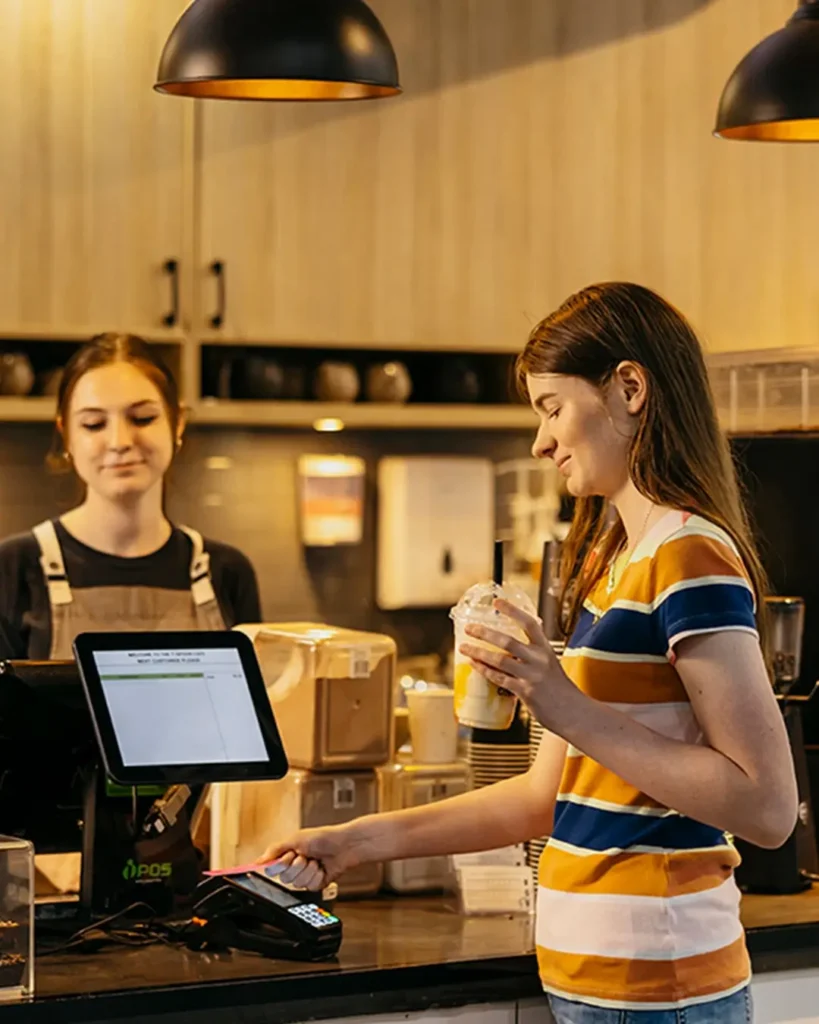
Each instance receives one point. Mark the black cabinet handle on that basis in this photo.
(171, 268)
(217, 268)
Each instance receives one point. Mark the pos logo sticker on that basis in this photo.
(133, 872)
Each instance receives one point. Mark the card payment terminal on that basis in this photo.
(253, 912)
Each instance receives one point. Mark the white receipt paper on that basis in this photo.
(495, 889)
(180, 707)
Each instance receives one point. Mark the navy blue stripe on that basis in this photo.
(626, 631)
(593, 829)
(711, 606)
(585, 622)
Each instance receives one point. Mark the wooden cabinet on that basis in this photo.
(535, 150)
(537, 147)
(403, 222)
(93, 168)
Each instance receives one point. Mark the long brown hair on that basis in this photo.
(678, 455)
(102, 350)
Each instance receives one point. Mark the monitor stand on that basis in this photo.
(120, 866)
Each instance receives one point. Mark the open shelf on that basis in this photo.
(363, 415)
(755, 394)
(305, 415)
(40, 409)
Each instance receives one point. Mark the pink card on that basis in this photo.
(272, 868)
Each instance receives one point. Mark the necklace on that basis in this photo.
(611, 582)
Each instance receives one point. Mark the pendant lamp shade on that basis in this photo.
(773, 95)
(279, 50)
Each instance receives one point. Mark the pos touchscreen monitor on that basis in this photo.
(179, 707)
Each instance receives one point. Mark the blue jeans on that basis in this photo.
(735, 1009)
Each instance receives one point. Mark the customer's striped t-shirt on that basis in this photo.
(637, 904)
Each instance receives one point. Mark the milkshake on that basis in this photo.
(479, 703)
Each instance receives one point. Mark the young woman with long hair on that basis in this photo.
(663, 738)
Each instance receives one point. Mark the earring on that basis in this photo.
(66, 457)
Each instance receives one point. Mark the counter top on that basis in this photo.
(780, 911)
(398, 955)
(783, 931)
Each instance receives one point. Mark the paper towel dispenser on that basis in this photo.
(436, 520)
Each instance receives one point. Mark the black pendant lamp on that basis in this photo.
(278, 50)
(773, 96)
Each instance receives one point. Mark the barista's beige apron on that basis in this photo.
(123, 608)
(115, 609)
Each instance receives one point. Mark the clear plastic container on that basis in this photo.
(247, 817)
(479, 703)
(402, 785)
(331, 691)
(16, 920)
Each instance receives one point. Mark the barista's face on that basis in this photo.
(118, 432)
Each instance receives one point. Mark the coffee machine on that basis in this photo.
(794, 866)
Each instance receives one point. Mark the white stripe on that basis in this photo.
(697, 526)
(624, 1004)
(639, 927)
(674, 640)
(662, 529)
(613, 851)
(605, 805)
(672, 527)
(626, 659)
(590, 606)
(648, 607)
(574, 752)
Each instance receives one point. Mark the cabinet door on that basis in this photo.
(393, 222)
(537, 148)
(92, 169)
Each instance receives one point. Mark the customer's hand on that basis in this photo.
(315, 857)
(530, 670)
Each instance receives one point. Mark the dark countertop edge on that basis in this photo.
(789, 947)
(349, 992)
(345, 994)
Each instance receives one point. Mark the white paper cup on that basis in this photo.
(433, 726)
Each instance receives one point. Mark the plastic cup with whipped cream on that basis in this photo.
(478, 702)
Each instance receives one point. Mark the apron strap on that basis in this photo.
(201, 582)
(52, 564)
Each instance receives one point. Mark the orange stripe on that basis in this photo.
(686, 557)
(586, 778)
(636, 874)
(637, 682)
(635, 584)
(689, 557)
(645, 981)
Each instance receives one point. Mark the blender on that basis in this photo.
(786, 625)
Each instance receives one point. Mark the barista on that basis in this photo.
(115, 562)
